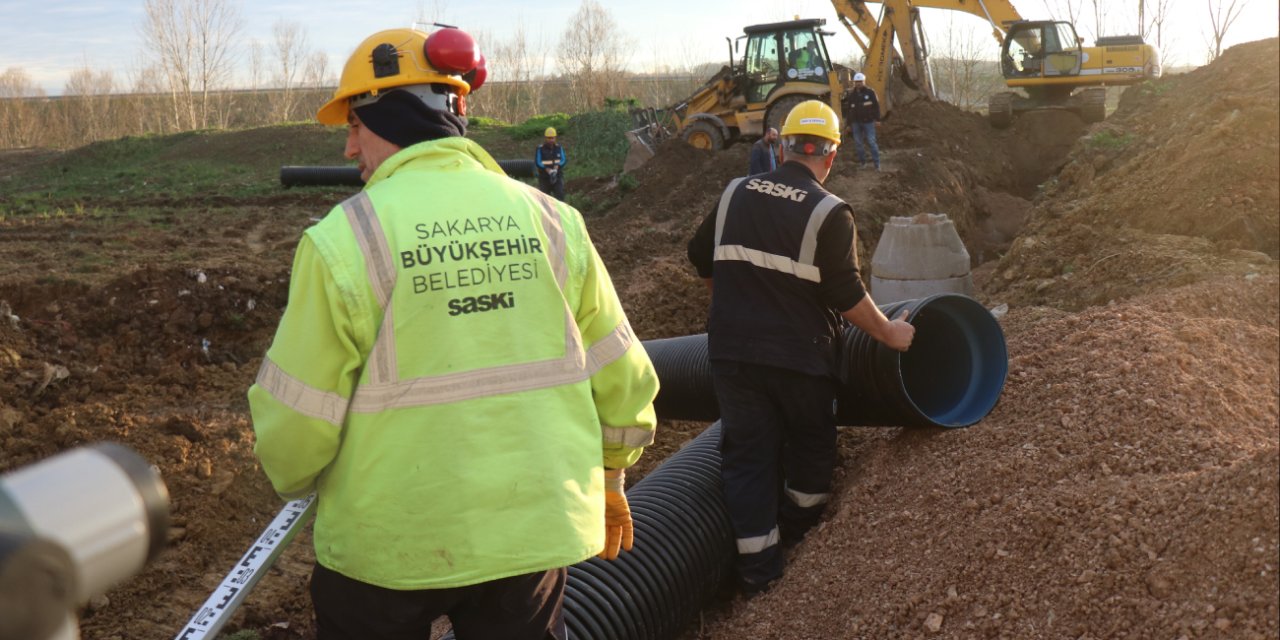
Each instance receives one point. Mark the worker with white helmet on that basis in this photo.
(453, 376)
(779, 253)
(861, 110)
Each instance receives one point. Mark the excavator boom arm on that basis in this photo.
(998, 13)
(899, 20)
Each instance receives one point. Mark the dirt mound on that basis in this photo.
(1179, 184)
(1127, 477)
(1204, 157)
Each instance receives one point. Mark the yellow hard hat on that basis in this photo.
(397, 58)
(549, 133)
(812, 118)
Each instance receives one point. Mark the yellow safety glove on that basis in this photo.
(618, 531)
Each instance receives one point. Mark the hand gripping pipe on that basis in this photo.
(305, 176)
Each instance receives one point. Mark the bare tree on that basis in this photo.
(1068, 10)
(193, 42)
(1099, 11)
(1220, 20)
(255, 64)
(317, 71)
(591, 55)
(87, 100)
(428, 15)
(17, 115)
(516, 67)
(1156, 19)
(289, 46)
(964, 72)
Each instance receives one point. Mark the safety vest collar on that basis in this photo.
(436, 153)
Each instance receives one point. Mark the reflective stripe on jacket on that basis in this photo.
(451, 373)
(544, 157)
(766, 306)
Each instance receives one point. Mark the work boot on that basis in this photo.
(750, 590)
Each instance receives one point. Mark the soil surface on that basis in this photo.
(1126, 486)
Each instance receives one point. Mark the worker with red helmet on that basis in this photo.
(454, 376)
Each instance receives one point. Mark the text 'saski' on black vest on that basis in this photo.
(765, 305)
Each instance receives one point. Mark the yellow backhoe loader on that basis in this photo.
(782, 65)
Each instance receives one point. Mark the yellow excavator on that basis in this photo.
(1044, 58)
(782, 65)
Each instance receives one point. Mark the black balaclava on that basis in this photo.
(400, 118)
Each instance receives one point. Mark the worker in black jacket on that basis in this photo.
(861, 110)
(779, 254)
(764, 153)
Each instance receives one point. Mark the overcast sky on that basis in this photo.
(51, 38)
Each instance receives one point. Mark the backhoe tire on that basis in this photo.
(701, 134)
(1000, 109)
(778, 111)
(1093, 104)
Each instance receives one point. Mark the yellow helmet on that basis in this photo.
(549, 133)
(399, 57)
(812, 118)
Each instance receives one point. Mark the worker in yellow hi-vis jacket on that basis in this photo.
(453, 376)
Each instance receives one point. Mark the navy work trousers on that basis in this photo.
(778, 453)
(551, 185)
(525, 607)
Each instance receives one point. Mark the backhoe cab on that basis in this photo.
(1046, 59)
(782, 65)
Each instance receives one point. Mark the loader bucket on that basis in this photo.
(644, 139)
(640, 150)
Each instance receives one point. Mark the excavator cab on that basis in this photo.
(1041, 49)
(1046, 59)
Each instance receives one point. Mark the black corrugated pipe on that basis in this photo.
(951, 377)
(683, 549)
(304, 176)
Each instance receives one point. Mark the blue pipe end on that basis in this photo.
(955, 370)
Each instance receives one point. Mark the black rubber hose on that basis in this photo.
(294, 176)
(952, 375)
(309, 176)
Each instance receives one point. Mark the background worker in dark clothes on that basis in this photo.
(550, 161)
(861, 109)
(764, 153)
(779, 254)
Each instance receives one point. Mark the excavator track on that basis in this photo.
(1000, 109)
(1093, 104)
